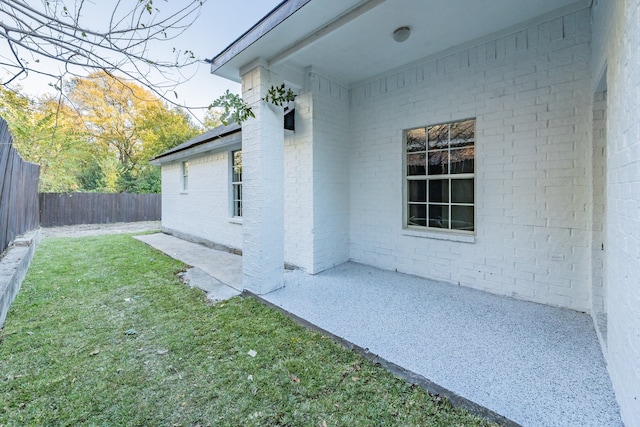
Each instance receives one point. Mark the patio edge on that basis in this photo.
(397, 370)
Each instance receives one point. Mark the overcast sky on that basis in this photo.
(219, 24)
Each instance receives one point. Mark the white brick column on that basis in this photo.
(262, 185)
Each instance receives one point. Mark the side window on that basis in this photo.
(236, 182)
(440, 177)
(184, 171)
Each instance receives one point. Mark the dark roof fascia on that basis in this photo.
(215, 138)
(271, 20)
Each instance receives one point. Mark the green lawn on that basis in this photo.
(103, 333)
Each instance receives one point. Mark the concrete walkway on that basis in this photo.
(217, 273)
(534, 364)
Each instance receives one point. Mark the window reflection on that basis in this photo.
(440, 160)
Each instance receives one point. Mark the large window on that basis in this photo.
(184, 170)
(236, 182)
(440, 176)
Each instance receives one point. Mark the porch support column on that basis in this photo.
(262, 184)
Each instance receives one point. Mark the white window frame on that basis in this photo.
(235, 185)
(184, 176)
(448, 177)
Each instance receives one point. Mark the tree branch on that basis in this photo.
(57, 32)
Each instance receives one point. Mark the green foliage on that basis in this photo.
(98, 136)
(146, 180)
(279, 95)
(91, 178)
(212, 119)
(234, 109)
(103, 333)
(46, 132)
(149, 181)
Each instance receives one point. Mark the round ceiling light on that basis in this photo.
(401, 34)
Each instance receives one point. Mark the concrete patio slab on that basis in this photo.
(534, 364)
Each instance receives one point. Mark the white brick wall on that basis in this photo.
(202, 211)
(331, 172)
(598, 261)
(317, 177)
(262, 185)
(616, 41)
(530, 93)
(541, 217)
(298, 207)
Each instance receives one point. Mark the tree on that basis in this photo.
(127, 124)
(100, 137)
(36, 33)
(47, 133)
(74, 139)
(162, 127)
(110, 111)
(212, 119)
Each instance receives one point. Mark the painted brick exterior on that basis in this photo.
(530, 94)
(557, 169)
(317, 177)
(616, 37)
(203, 213)
(262, 186)
(203, 210)
(598, 260)
(330, 120)
(298, 170)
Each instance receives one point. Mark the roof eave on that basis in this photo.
(226, 136)
(274, 18)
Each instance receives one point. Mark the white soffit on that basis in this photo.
(264, 41)
(353, 40)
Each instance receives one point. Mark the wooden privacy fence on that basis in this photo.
(19, 210)
(97, 208)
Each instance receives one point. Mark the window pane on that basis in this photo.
(237, 166)
(439, 200)
(462, 190)
(416, 164)
(237, 199)
(185, 175)
(417, 191)
(438, 163)
(462, 160)
(439, 190)
(462, 218)
(439, 136)
(417, 215)
(417, 140)
(463, 133)
(438, 216)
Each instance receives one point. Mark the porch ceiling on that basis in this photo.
(351, 40)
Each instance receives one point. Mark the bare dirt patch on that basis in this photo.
(82, 230)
